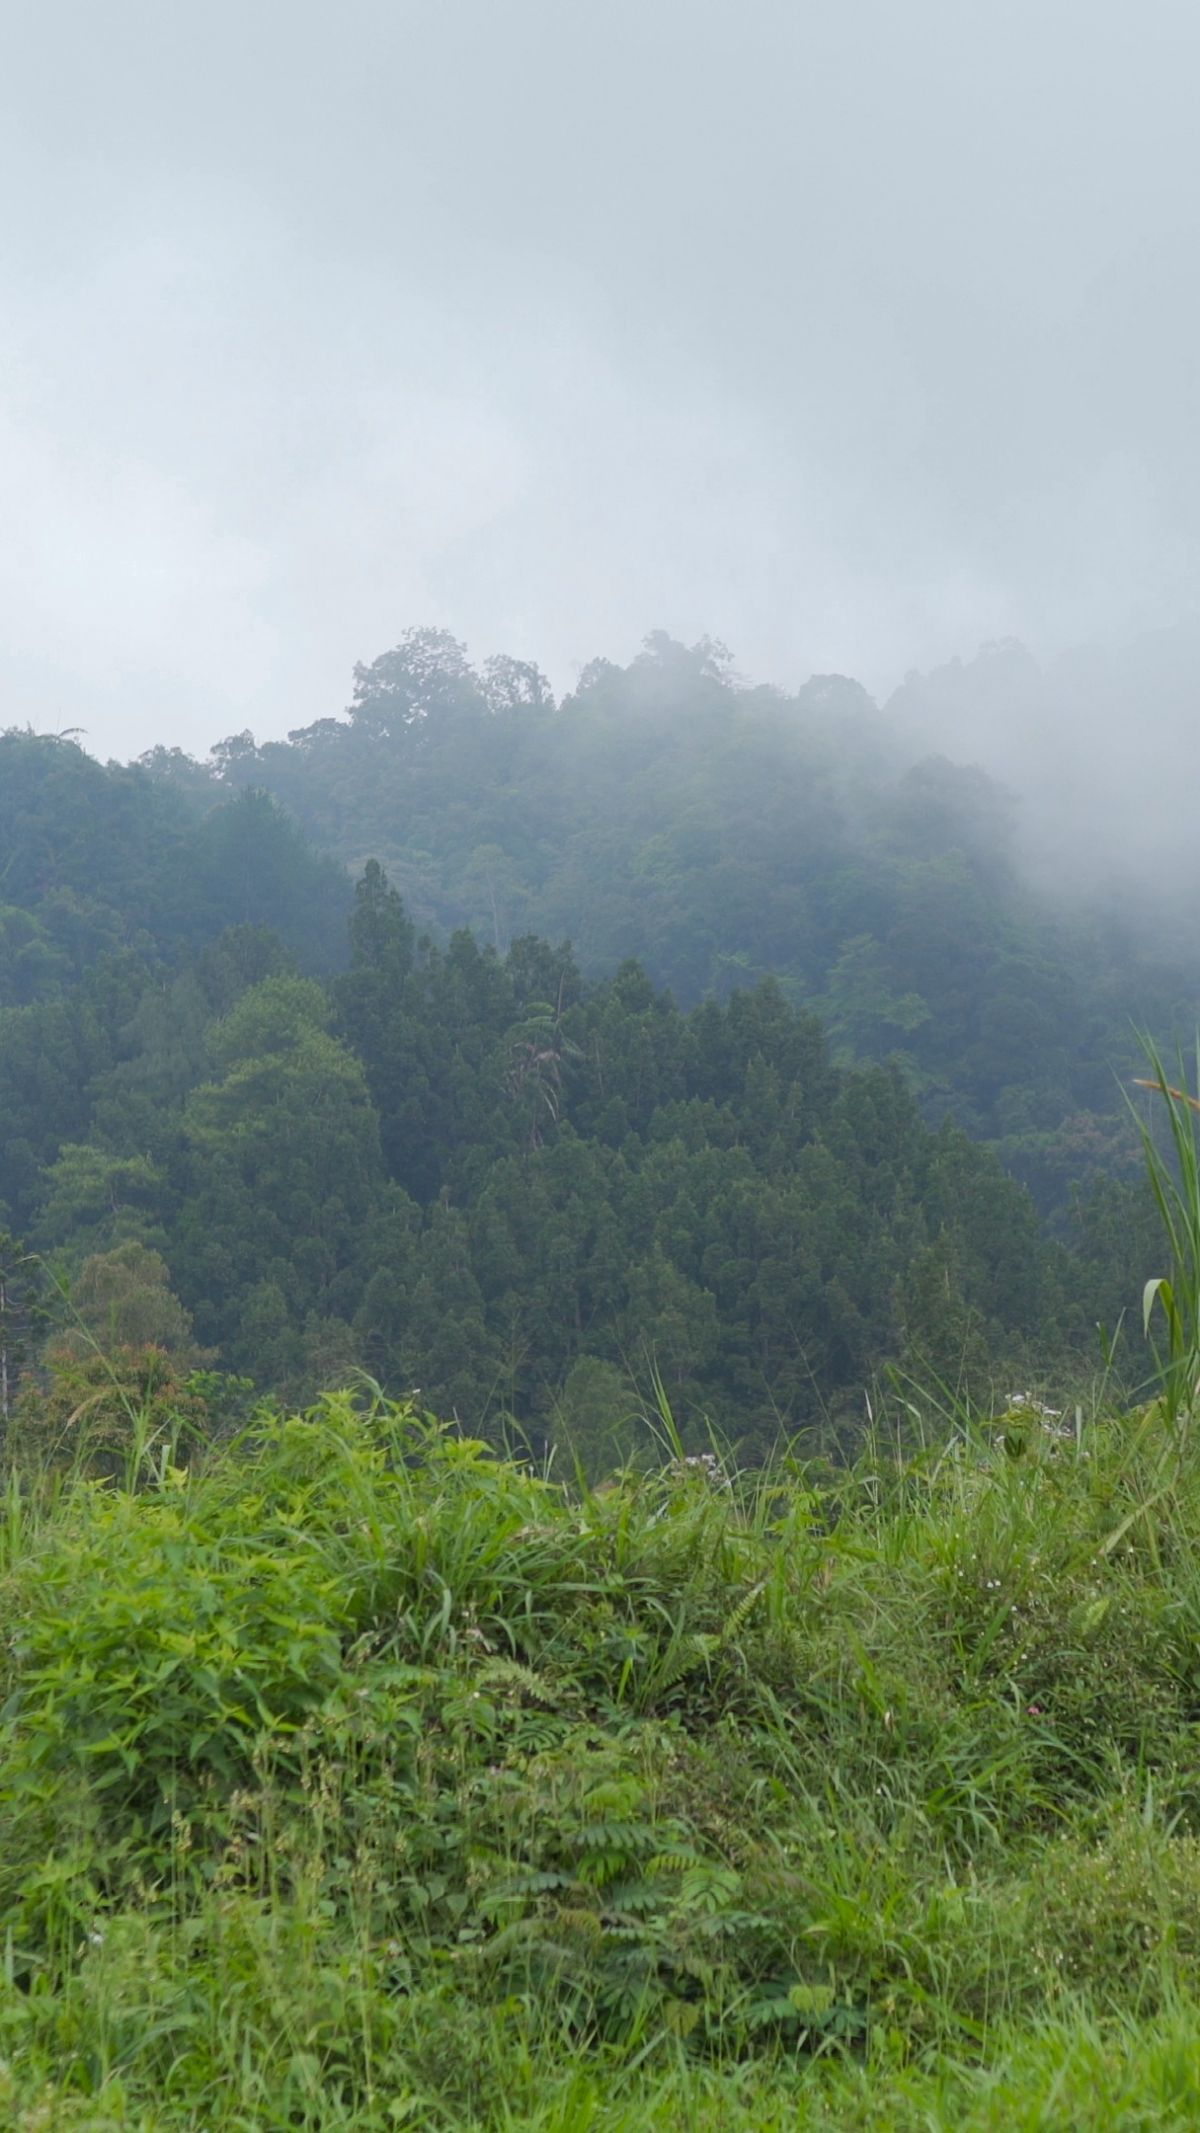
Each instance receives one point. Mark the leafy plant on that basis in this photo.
(354, 1776)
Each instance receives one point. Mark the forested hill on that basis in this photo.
(720, 833)
(238, 1130)
(96, 862)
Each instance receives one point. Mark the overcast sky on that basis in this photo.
(853, 333)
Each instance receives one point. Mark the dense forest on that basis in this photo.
(721, 834)
(819, 1085)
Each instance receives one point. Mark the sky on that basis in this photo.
(855, 334)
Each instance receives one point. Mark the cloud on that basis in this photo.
(853, 336)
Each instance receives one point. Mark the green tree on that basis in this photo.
(425, 677)
(123, 1299)
(284, 1166)
(22, 1320)
(93, 1196)
(595, 1421)
(862, 1009)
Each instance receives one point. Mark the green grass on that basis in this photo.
(359, 1778)
(1174, 1175)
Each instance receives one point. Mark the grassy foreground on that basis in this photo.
(357, 1778)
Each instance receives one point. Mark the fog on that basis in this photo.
(1097, 747)
(855, 335)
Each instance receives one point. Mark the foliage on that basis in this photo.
(23, 1319)
(98, 860)
(102, 1412)
(477, 1173)
(1175, 1182)
(354, 1777)
(477, 1168)
(722, 833)
(123, 1299)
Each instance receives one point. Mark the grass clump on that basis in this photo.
(356, 1777)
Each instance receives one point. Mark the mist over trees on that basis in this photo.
(1091, 745)
(722, 833)
(679, 1029)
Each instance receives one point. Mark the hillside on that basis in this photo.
(721, 833)
(102, 861)
(353, 1778)
(298, 1130)
(526, 1195)
(768, 1740)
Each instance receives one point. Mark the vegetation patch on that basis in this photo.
(355, 1776)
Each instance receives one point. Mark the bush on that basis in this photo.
(103, 1414)
(355, 1767)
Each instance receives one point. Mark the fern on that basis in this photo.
(510, 1674)
(698, 1648)
(616, 1836)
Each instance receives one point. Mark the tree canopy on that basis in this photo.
(820, 1086)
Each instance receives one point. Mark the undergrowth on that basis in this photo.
(357, 1777)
